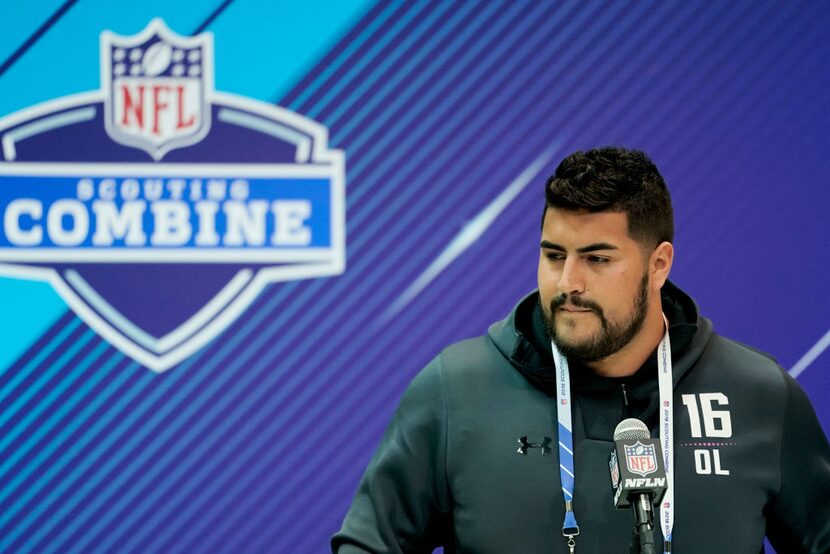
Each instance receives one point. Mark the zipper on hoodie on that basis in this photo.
(625, 395)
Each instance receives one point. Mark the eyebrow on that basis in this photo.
(584, 250)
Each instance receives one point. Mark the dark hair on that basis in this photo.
(618, 180)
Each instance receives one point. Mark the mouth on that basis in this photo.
(572, 310)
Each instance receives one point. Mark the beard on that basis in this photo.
(612, 336)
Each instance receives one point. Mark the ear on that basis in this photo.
(659, 264)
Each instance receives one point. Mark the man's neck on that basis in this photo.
(631, 357)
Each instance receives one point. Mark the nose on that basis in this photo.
(572, 278)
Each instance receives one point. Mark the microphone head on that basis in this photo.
(631, 429)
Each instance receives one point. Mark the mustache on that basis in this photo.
(576, 301)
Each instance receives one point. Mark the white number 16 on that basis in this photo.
(716, 423)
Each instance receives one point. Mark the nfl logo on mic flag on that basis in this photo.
(640, 459)
(159, 208)
(635, 468)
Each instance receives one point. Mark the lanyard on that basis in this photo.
(664, 380)
(567, 473)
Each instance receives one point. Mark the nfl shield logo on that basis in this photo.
(156, 86)
(640, 459)
(614, 466)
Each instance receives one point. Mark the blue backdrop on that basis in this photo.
(449, 116)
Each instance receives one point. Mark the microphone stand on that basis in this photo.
(642, 536)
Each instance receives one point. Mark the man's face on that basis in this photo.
(593, 282)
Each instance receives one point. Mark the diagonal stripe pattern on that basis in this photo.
(256, 443)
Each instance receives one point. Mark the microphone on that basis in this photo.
(638, 476)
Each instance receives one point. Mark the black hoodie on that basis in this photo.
(750, 456)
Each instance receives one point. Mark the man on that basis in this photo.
(471, 459)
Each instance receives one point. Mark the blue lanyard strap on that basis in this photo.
(567, 473)
(570, 528)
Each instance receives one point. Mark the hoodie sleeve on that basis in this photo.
(403, 501)
(798, 518)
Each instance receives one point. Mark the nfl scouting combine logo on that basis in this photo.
(159, 208)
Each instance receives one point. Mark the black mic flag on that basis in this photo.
(638, 476)
(636, 464)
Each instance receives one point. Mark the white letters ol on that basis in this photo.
(716, 424)
(706, 461)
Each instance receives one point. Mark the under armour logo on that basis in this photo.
(544, 445)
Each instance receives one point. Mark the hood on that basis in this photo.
(521, 339)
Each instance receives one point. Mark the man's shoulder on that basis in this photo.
(741, 353)
(464, 363)
(732, 358)
(471, 355)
